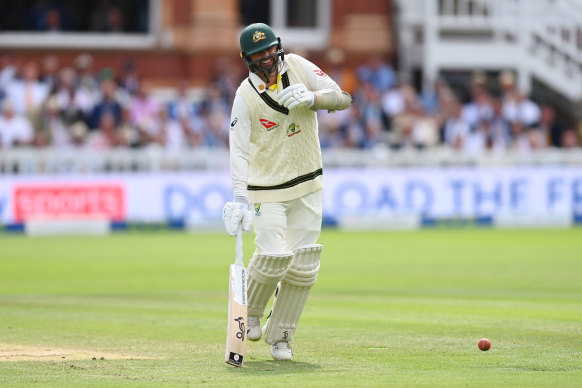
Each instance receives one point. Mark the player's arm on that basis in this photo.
(240, 144)
(326, 92)
(237, 212)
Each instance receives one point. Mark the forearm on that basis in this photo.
(331, 100)
(239, 174)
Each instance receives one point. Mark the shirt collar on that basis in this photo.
(261, 85)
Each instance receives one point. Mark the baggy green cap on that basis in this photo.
(256, 37)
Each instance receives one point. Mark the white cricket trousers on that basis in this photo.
(286, 226)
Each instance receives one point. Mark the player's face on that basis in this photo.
(266, 55)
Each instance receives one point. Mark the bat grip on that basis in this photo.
(239, 246)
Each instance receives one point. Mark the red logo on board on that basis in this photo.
(319, 72)
(82, 200)
(269, 124)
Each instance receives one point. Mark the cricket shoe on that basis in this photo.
(254, 329)
(281, 351)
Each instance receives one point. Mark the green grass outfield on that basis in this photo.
(390, 309)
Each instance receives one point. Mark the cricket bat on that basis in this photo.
(237, 307)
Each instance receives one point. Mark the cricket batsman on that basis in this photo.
(276, 171)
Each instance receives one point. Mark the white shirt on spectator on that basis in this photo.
(7, 76)
(526, 112)
(456, 130)
(17, 92)
(393, 102)
(15, 129)
(474, 112)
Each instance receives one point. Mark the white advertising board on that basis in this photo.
(535, 193)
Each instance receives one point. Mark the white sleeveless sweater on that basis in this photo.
(285, 156)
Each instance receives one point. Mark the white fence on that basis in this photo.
(51, 161)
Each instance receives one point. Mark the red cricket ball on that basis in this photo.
(484, 344)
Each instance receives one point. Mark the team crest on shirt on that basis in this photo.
(319, 72)
(269, 125)
(293, 130)
(257, 209)
(258, 35)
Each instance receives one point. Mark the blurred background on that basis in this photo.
(115, 114)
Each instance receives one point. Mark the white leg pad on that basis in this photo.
(264, 272)
(292, 295)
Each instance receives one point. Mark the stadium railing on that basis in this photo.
(152, 159)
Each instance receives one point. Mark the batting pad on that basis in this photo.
(293, 293)
(264, 272)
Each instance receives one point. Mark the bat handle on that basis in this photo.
(239, 246)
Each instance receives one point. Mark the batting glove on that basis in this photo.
(296, 95)
(235, 213)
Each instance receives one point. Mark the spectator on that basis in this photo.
(108, 105)
(394, 101)
(53, 21)
(216, 130)
(570, 139)
(129, 79)
(15, 129)
(106, 135)
(144, 108)
(331, 128)
(550, 126)
(215, 114)
(8, 72)
(75, 103)
(507, 85)
(182, 107)
(478, 140)
(354, 128)
(456, 128)
(519, 108)
(375, 136)
(402, 132)
(519, 139)
(371, 106)
(499, 129)
(431, 98)
(114, 20)
(28, 94)
(167, 132)
(479, 108)
(482, 140)
(53, 130)
(129, 135)
(49, 71)
(79, 132)
(85, 75)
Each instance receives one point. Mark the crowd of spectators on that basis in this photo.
(54, 16)
(48, 105)
(45, 105)
(388, 112)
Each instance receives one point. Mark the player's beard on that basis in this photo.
(269, 71)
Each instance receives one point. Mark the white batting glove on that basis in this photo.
(296, 95)
(235, 213)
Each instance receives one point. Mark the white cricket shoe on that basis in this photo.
(281, 351)
(254, 329)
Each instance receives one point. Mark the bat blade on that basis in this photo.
(237, 316)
